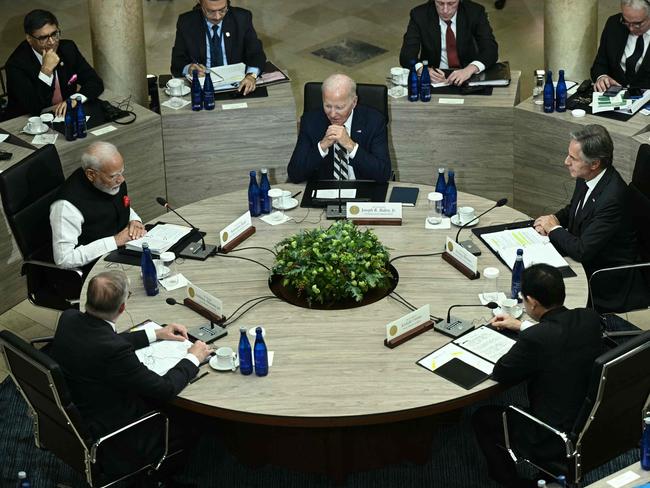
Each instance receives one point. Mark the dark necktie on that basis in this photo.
(216, 56)
(452, 52)
(340, 163)
(630, 63)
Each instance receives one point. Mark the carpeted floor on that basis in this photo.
(455, 462)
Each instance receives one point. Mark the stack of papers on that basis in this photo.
(161, 356)
(160, 238)
(537, 248)
(224, 77)
(601, 103)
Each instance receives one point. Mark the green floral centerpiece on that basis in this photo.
(340, 263)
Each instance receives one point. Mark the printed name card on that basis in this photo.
(408, 326)
(203, 298)
(236, 232)
(461, 259)
(375, 212)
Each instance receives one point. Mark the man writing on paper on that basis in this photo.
(92, 213)
(452, 35)
(45, 70)
(554, 357)
(343, 140)
(108, 383)
(622, 55)
(216, 34)
(595, 227)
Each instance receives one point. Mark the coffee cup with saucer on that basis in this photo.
(176, 88)
(225, 359)
(509, 306)
(35, 126)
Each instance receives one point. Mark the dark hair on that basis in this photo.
(595, 144)
(36, 19)
(545, 284)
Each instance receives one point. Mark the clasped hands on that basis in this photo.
(178, 332)
(337, 134)
(545, 223)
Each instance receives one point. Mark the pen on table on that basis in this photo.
(197, 378)
(296, 194)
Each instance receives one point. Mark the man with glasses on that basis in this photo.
(554, 357)
(452, 35)
(215, 34)
(621, 58)
(45, 70)
(92, 213)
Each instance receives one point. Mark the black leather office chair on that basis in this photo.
(373, 96)
(59, 428)
(608, 424)
(28, 188)
(3, 94)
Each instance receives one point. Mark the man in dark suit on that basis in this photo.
(45, 70)
(595, 228)
(451, 35)
(554, 357)
(342, 141)
(108, 383)
(216, 34)
(622, 55)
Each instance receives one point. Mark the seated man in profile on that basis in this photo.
(595, 228)
(554, 357)
(622, 57)
(215, 34)
(108, 383)
(450, 35)
(92, 213)
(45, 70)
(343, 141)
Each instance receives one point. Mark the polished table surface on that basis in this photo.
(330, 367)
(635, 468)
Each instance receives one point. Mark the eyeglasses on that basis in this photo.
(212, 13)
(54, 36)
(129, 294)
(114, 177)
(633, 25)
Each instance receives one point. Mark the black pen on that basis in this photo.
(294, 196)
(197, 378)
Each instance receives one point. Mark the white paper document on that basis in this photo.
(161, 356)
(450, 351)
(537, 248)
(160, 238)
(3, 137)
(486, 343)
(334, 193)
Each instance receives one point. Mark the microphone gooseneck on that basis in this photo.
(490, 305)
(499, 203)
(164, 203)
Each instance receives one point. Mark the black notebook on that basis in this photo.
(461, 373)
(496, 75)
(404, 195)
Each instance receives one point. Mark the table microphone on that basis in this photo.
(335, 211)
(469, 244)
(201, 332)
(456, 327)
(193, 250)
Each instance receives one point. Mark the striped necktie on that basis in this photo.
(340, 163)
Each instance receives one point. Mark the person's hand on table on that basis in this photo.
(136, 229)
(201, 350)
(604, 82)
(545, 223)
(198, 67)
(460, 76)
(61, 108)
(247, 85)
(505, 321)
(437, 75)
(122, 237)
(172, 332)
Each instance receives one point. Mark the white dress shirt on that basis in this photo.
(66, 221)
(444, 62)
(48, 80)
(351, 154)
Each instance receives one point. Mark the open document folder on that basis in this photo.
(160, 238)
(602, 103)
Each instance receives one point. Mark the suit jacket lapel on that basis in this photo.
(462, 29)
(434, 22)
(588, 207)
(228, 31)
(358, 124)
(578, 195)
(200, 36)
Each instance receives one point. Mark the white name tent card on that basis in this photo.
(461, 259)
(203, 303)
(378, 213)
(408, 326)
(236, 233)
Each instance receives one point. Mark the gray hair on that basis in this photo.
(107, 291)
(636, 5)
(97, 154)
(339, 81)
(595, 144)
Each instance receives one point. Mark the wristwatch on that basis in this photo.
(253, 75)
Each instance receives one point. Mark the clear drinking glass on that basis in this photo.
(434, 215)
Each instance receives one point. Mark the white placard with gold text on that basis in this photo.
(462, 254)
(407, 322)
(373, 210)
(235, 229)
(204, 299)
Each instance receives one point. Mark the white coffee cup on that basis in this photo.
(285, 199)
(47, 118)
(466, 214)
(509, 306)
(226, 358)
(399, 75)
(175, 87)
(35, 124)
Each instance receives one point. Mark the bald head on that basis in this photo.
(339, 98)
(340, 83)
(107, 292)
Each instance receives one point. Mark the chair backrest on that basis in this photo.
(28, 188)
(373, 96)
(640, 199)
(619, 389)
(58, 427)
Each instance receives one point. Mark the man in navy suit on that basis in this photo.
(343, 141)
(622, 55)
(216, 34)
(451, 35)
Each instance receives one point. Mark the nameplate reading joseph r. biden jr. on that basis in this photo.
(374, 213)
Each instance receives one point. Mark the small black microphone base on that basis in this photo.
(469, 245)
(195, 251)
(454, 328)
(336, 212)
(206, 332)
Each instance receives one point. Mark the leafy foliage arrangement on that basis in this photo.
(333, 264)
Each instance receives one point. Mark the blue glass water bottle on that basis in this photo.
(560, 93)
(69, 122)
(549, 93)
(645, 445)
(441, 186)
(414, 84)
(425, 83)
(254, 196)
(81, 119)
(261, 354)
(197, 92)
(149, 275)
(265, 186)
(245, 353)
(23, 482)
(561, 480)
(517, 272)
(451, 195)
(208, 92)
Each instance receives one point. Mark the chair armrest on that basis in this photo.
(41, 340)
(45, 264)
(600, 272)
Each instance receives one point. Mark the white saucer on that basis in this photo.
(293, 203)
(213, 364)
(35, 133)
(185, 90)
(455, 219)
(516, 314)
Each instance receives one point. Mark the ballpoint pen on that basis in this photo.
(296, 194)
(197, 378)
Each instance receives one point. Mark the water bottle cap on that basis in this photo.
(425, 62)
(145, 245)
(264, 171)
(441, 170)
(258, 330)
(520, 252)
(647, 420)
(252, 173)
(242, 330)
(491, 273)
(22, 475)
